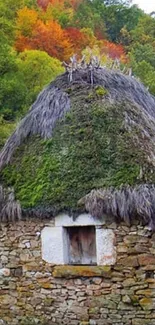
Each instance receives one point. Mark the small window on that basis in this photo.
(83, 241)
(81, 245)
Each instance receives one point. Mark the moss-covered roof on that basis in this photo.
(79, 137)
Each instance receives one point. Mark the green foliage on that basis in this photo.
(37, 69)
(118, 16)
(146, 73)
(22, 78)
(88, 150)
(8, 12)
(12, 88)
(142, 51)
(88, 15)
(5, 130)
(144, 32)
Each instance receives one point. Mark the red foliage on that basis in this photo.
(112, 49)
(68, 3)
(99, 34)
(75, 3)
(22, 43)
(77, 39)
(43, 3)
(34, 33)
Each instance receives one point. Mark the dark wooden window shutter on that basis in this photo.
(82, 245)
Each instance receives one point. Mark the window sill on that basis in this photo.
(75, 271)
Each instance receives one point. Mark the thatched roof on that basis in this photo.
(125, 203)
(80, 137)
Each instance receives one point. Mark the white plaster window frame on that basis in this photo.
(55, 243)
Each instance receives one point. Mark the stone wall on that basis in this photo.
(35, 292)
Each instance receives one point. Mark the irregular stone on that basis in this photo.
(124, 306)
(4, 259)
(129, 282)
(146, 259)
(92, 322)
(147, 303)
(142, 321)
(4, 272)
(97, 280)
(134, 239)
(17, 272)
(7, 300)
(145, 292)
(94, 310)
(122, 248)
(81, 312)
(102, 302)
(129, 261)
(25, 257)
(77, 281)
(126, 299)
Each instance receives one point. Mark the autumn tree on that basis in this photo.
(60, 11)
(46, 36)
(76, 38)
(43, 3)
(26, 21)
(113, 50)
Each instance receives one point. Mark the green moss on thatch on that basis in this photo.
(89, 149)
(101, 91)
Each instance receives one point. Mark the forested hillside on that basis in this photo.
(36, 36)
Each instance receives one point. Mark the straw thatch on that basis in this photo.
(50, 106)
(125, 204)
(135, 119)
(52, 103)
(10, 209)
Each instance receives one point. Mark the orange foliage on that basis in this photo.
(80, 39)
(22, 43)
(26, 21)
(48, 37)
(41, 31)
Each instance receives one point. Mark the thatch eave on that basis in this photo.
(124, 204)
(127, 204)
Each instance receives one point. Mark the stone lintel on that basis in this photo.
(76, 271)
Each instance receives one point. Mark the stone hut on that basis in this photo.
(77, 205)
